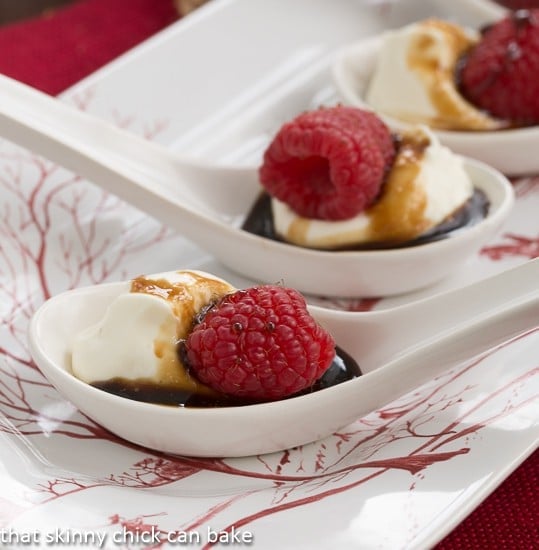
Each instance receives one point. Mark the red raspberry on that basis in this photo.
(501, 73)
(330, 163)
(260, 344)
(350, 117)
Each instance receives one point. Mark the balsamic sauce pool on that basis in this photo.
(259, 221)
(343, 368)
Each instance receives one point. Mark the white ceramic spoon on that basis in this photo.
(397, 349)
(510, 151)
(207, 203)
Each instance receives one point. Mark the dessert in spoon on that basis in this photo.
(190, 338)
(337, 179)
(478, 91)
(396, 350)
(209, 203)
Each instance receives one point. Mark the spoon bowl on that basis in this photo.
(208, 203)
(398, 349)
(511, 151)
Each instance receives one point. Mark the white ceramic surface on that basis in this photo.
(467, 328)
(208, 203)
(506, 150)
(59, 469)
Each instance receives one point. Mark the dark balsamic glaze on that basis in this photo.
(343, 368)
(260, 222)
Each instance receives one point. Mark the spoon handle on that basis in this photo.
(465, 346)
(380, 336)
(140, 172)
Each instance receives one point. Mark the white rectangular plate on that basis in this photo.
(217, 85)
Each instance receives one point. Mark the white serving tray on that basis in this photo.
(216, 85)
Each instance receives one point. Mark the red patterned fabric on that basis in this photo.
(507, 520)
(55, 51)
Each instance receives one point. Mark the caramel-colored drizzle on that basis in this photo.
(454, 112)
(399, 213)
(179, 296)
(171, 371)
(298, 230)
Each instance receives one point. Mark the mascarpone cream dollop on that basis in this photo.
(415, 77)
(138, 337)
(427, 183)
